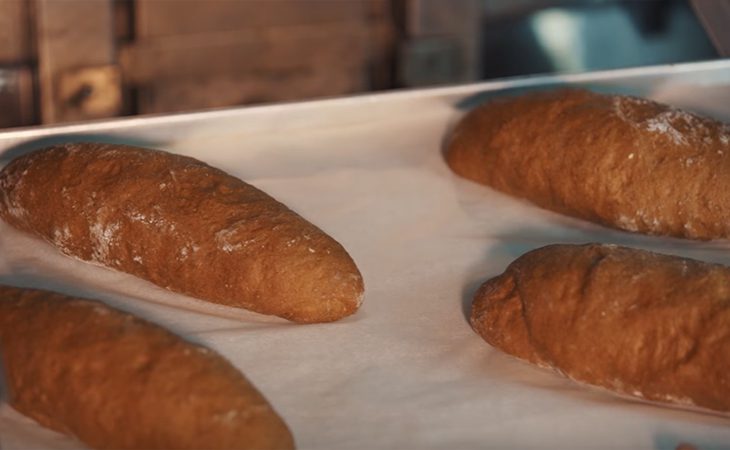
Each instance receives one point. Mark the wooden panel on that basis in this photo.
(16, 97)
(246, 52)
(191, 54)
(15, 36)
(383, 40)
(175, 17)
(123, 20)
(89, 93)
(71, 35)
(182, 94)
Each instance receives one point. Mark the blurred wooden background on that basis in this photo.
(83, 59)
(75, 60)
(72, 60)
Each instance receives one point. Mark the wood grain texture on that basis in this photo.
(182, 225)
(72, 35)
(637, 323)
(623, 162)
(156, 18)
(115, 381)
(16, 46)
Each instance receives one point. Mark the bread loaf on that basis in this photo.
(115, 381)
(182, 225)
(623, 162)
(637, 323)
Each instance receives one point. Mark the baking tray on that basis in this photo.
(406, 371)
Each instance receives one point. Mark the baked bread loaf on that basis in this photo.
(623, 162)
(115, 381)
(637, 323)
(182, 225)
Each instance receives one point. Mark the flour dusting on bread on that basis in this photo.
(624, 162)
(183, 225)
(676, 124)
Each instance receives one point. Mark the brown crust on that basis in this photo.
(624, 162)
(182, 225)
(115, 381)
(631, 321)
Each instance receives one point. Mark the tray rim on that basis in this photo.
(119, 124)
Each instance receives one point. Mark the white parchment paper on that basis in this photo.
(406, 371)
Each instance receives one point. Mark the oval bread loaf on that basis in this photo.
(638, 323)
(115, 381)
(620, 161)
(182, 225)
